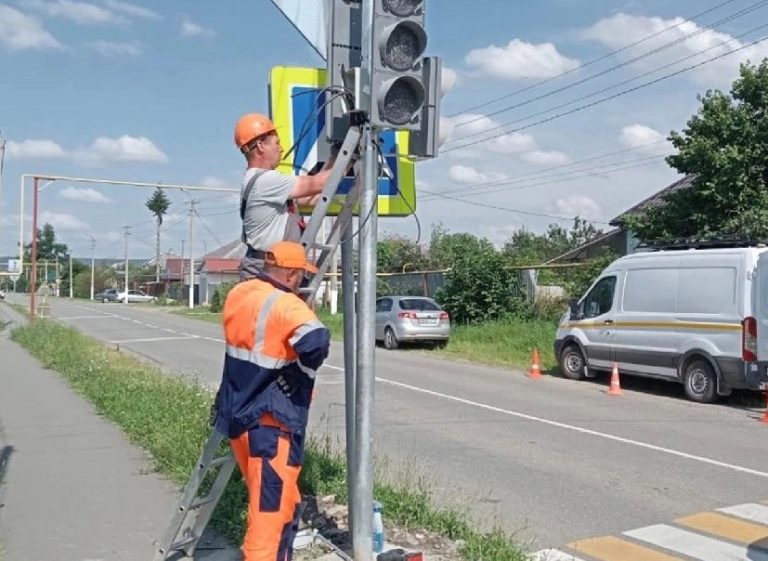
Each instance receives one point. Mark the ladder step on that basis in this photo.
(325, 246)
(179, 545)
(216, 462)
(202, 501)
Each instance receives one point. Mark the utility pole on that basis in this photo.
(93, 262)
(192, 211)
(2, 160)
(71, 280)
(126, 233)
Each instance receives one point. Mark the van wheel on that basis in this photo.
(390, 341)
(572, 363)
(700, 382)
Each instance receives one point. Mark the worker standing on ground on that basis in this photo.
(275, 345)
(268, 198)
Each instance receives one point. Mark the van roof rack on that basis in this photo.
(703, 243)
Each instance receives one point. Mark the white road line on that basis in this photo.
(151, 340)
(581, 430)
(750, 511)
(695, 545)
(73, 318)
(553, 555)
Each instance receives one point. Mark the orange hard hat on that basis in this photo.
(251, 126)
(289, 255)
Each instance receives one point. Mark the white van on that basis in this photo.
(697, 316)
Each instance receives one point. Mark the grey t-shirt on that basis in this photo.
(266, 211)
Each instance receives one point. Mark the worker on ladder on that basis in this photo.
(269, 199)
(275, 345)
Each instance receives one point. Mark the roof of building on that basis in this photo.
(655, 199)
(220, 265)
(576, 252)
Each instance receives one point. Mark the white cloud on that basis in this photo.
(519, 59)
(468, 124)
(124, 149)
(191, 29)
(577, 205)
(216, 182)
(62, 221)
(19, 31)
(448, 80)
(34, 149)
(469, 175)
(84, 194)
(541, 158)
(132, 10)
(79, 12)
(645, 139)
(109, 48)
(622, 30)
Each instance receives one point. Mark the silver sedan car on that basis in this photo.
(403, 319)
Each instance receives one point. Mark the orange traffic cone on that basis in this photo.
(765, 416)
(615, 388)
(535, 371)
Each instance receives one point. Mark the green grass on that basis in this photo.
(167, 416)
(500, 343)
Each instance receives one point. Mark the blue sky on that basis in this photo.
(150, 92)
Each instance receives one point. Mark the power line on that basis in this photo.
(563, 177)
(611, 97)
(591, 62)
(614, 86)
(506, 209)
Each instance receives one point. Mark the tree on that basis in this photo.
(48, 250)
(158, 205)
(725, 148)
(397, 253)
(446, 249)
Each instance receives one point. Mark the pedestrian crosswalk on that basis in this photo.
(735, 533)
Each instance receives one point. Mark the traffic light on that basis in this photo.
(398, 91)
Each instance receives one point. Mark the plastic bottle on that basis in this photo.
(378, 528)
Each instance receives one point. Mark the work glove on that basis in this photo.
(288, 382)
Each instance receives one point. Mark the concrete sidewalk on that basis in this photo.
(75, 489)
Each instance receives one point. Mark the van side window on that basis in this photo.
(599, 301)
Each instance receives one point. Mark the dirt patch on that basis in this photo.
(331, 520)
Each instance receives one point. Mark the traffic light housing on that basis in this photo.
(398, 91)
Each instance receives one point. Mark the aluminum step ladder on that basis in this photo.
(195, 510)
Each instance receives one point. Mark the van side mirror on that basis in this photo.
(573, 304)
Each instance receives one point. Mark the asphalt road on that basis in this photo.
(550, 460)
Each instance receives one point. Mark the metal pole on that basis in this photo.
(127, 233)
(93, 263)
(2, 160)
(71, 283)
(362, 502)
(348, 288)
(192, 254)
(33, 256)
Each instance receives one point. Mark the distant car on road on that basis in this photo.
(411, 319)
(135, 296)
(107, 295)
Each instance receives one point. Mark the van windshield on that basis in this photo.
(599, 301)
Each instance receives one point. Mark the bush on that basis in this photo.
(220, 296)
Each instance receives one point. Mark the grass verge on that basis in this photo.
(500, 343)
(167, 416)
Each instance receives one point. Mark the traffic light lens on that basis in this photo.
(402, 8)
(404, 46)
(402, 101)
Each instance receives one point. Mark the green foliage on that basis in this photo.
(725, 147)
(47, 246)
(396, 254)
(578, 279)
(527, 248)
(446, 249)
(479, 288)
(158, 205)
(220, 296)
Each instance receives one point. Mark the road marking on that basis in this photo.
(611, 548)
(151, 340)
(581, 430)
(553, 555)
(73, 318)
(695, 545)
(750, 511)
(727, 527)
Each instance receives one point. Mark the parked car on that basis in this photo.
(695, 316)
(107, 295)
(409, 319)
(135, 296)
